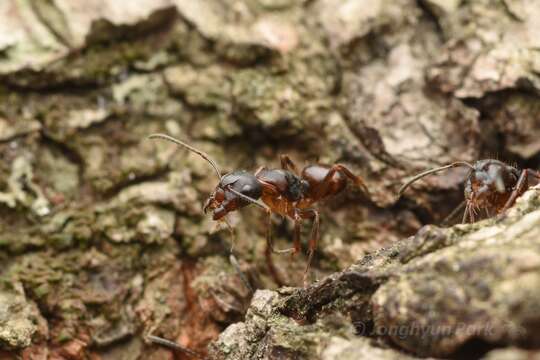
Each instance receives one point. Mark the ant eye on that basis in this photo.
(219, 195)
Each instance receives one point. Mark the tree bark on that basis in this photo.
(102, 236)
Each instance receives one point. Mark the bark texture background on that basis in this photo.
(102, 239)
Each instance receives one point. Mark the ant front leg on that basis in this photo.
(288, 164)
(518, 190)
(171, 344)
(269, 243)
(314, 238)
(534, 173)
(446, 221)
(268, 211)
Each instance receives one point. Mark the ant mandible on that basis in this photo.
(490, 184)
(283, 191)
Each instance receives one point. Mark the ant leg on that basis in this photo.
(232, 258)
(171, 344)
(259, 170)
(534, 173)
(271, 266)
(311, 214)
(269, 221)
(269, 243)
(231, 230)
(518, 190)
(243, 277)
(466, 213)
(454, 212)
(297, 235)
(345, 171)
(288, 164)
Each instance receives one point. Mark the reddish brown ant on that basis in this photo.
(490, 184)
(283, 191)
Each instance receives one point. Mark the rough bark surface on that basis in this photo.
(102, 238)
(468, 288)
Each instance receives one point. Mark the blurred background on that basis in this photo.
(102, 236)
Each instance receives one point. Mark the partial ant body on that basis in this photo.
(284, 191)
(491, 185)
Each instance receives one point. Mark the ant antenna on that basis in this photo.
(250, 199)
(240, 273)
(171, 344)
(190, 148)
(431, 171)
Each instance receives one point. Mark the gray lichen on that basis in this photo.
(18, 317)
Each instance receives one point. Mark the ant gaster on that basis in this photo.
(490, 185)
(284, 191)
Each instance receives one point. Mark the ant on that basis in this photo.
(284, 191)
(490, 184)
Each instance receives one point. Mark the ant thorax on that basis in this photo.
(289, 185)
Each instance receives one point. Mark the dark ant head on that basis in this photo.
(228, 197)
(235, 190)
(488, 181)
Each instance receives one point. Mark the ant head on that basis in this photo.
(232, 193)
(235, 190)
(488, 180)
